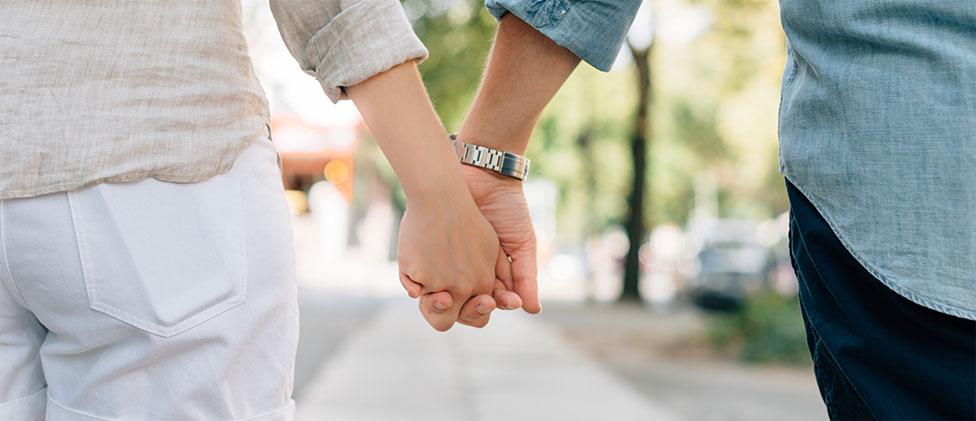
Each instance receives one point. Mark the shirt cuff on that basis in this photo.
(362, 41)
(593, 30)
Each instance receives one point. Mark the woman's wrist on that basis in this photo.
(437, 191)
(435, 178)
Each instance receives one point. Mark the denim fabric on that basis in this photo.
(593, 30)
(876, 354)
(878, 130)
(877, 126)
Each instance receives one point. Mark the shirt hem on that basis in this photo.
(912, 296)
(171, 176)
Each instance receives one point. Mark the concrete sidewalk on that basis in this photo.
(397, 368)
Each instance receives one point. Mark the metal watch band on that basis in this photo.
(504, 163)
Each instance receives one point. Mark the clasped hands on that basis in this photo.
(463, 254)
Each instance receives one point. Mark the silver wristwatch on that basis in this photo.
(504, 163)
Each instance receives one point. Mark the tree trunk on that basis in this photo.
(591, 225)
(639, 141)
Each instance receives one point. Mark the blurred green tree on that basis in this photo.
(712, 110)
(458, 35)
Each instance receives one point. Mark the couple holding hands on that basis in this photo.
(145, 245)
(146, 261)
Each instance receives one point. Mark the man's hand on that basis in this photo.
(502, 202)
(524, 71)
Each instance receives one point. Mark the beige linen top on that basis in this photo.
(118, 91)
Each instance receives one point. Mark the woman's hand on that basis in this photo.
(447, 245)
(447, 252)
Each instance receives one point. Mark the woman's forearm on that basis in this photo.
(398, 112)
(445, 243)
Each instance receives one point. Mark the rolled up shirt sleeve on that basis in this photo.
(594, 30)
(344, 42)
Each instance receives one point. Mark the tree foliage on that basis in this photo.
(716, 100)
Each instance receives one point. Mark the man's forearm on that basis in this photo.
(524, 71)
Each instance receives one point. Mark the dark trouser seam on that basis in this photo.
(826, 349)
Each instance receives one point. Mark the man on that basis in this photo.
(878, 146)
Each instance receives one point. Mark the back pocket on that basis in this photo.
(162, 257)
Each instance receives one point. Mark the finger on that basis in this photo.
(477, 311)
(525, 278)
(438, 302)
(503, 269)
(430, 305)
(413, 288)
(504, 297)
(504, 290)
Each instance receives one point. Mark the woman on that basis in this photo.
(145, 253)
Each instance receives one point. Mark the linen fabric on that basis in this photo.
(151, 300)
(877, 126)
(119, 91)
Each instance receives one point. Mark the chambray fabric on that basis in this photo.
(118, 91)
(594, 30)
(878, 130)
(877, 126)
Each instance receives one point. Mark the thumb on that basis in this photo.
(504, 290)
(525, 276)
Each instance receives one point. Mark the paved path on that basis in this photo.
(397, 368)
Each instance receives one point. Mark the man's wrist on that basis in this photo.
(515, 141)
(502, 162)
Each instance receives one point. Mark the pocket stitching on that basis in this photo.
(81, 236)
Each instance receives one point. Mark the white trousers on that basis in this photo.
(150, 300)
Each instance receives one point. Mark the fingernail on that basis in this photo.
(440, 306)
(482, 309)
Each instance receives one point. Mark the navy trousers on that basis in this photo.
(876, 355)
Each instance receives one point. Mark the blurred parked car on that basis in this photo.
(727, 262)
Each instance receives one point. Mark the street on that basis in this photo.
(615, 340)
(366, 353)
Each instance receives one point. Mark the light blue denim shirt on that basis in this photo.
(877, 126)
(594, 29)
